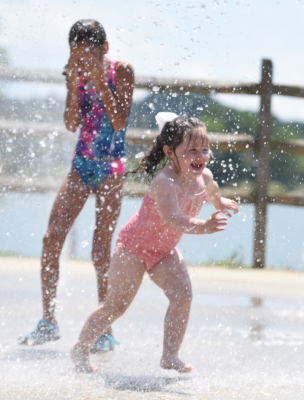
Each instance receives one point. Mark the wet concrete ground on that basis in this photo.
(245, 338)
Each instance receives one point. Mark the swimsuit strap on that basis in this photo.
(112, 72)
(193, 195)
(188, 194)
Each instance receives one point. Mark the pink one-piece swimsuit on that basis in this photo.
(146, 233)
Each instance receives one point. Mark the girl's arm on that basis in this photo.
(214, 197)
(117, 106)
(163, 191)
(71, 113)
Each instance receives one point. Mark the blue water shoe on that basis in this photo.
(45, 332)
(104, 343)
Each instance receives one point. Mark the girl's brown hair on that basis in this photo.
(171, 135)
(87, 31)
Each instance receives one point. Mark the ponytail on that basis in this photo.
(155, 159)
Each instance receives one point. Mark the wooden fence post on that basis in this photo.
(262, 166)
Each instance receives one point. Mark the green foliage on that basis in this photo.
(281, 131)
(4, 60)
(231, 168)
(223, 119)
(143, 112)
(214, 123)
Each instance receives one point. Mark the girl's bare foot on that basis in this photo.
(81, 360)
(173, 362)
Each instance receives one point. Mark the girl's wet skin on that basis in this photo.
(183, 184)
(99, 96)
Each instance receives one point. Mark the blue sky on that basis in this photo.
(222, 40)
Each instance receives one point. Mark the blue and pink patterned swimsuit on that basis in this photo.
(98, 139)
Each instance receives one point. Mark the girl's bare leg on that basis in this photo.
(125, 276)
(108, 204)
(68, 204)
(172, 276)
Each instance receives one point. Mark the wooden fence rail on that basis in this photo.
(262, 145)
(156, 83)
(136, 136)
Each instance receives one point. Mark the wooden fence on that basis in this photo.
(262, 145)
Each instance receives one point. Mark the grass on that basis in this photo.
(234, 261)
(13, 254)
(224, 263)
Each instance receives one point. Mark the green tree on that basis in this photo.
(4, 60)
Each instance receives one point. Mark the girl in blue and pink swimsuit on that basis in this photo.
(99, 148)
(99, 96)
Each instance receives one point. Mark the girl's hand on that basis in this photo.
(227, 204)
(93, 67)
(72, 74)
(215, 223)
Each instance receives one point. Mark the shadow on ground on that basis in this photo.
(34, 354)
(140, 383)
(114, 381)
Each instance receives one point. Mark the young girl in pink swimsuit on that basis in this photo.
(147, 242)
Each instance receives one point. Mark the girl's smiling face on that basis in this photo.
(192, 155)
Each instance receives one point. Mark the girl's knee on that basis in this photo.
(186, 296)
(49, 239)
(183, 296)
(112, 313)
(53, 237)
(119, 308)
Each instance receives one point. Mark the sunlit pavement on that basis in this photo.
(245, 338)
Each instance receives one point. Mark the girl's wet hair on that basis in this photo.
(171, 135)
(87, 31)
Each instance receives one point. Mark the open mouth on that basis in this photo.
(197, 167)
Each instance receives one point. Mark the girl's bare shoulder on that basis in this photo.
(207, 176)
(163, 183)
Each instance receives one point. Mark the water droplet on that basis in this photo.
(140, 155)
(59, 305)
(197, 29)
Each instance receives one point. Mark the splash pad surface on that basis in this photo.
(245, 338)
